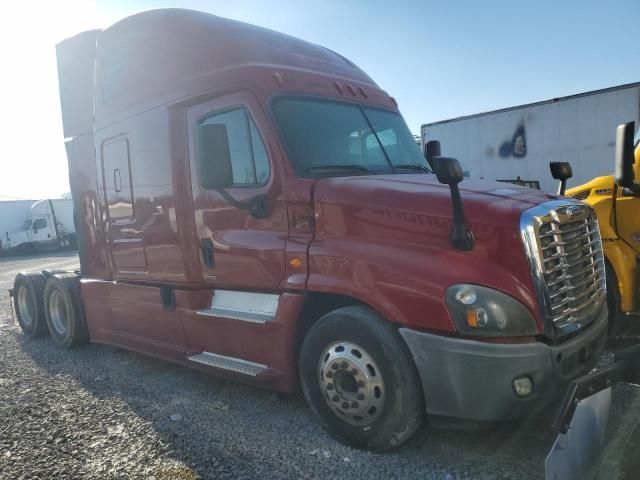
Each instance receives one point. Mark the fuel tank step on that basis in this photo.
(254, 307)
(231, 364)
(242, 315)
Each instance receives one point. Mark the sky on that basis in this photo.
(439, 59)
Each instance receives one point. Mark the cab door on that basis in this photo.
(42, 230)
(628, 219)
(238, 249)
(628, 208)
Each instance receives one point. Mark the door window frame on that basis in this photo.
(122, 220)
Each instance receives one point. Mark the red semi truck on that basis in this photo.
(254, 206)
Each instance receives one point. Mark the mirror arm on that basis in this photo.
(256, 206)
(460, 236)
(563, 186)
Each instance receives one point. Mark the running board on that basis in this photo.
(242, 315)
(230, 364)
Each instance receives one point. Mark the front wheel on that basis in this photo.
(616, 317)
(359, 380)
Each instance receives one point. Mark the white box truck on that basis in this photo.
(48, 226)
(517, 143)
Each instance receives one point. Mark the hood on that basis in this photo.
(485, 202)
(400, 224)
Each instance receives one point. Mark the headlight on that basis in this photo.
(486, 312)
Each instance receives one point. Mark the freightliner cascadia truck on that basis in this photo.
(254, 206)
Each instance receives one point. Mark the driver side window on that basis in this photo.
(40, 223)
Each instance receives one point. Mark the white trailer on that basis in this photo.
(48, 226)
(12, 215)
(519, 142)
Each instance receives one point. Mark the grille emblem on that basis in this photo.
(575, 211)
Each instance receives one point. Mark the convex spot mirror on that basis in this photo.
(561, 170)
(214, 156)
(448, 170)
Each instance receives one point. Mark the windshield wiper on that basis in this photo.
(414, 166)
(353, 167)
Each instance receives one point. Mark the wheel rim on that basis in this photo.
(58, 313)
(352, 383)
(26, 307)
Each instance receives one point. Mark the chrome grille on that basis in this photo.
(563, 242)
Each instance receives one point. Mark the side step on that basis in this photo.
(230, 364)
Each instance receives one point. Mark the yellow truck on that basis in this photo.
(616, 200)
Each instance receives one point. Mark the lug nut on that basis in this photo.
(334, 366)
(354, 404)
(360, 384)
(360, 396)
(335, 398)
(354, 371)
(345, 405)
(330, 386)
(329, 374)
(344, 365)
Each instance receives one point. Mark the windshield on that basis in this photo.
(333, 138)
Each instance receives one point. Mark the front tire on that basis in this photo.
(28, 291)
(358, 379)
(616, 317)
(63, 310)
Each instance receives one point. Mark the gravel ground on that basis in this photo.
(102, 412)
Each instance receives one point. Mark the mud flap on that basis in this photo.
(577, 453)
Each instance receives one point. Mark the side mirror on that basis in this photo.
(449, 172)
(624, 156)
(214, 156)
(432, 150)
(561, 171)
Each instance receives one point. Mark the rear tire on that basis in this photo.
(63, 310)
(28, 291)
(359, 380)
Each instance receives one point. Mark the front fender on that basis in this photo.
(623, 261)
(407, 283)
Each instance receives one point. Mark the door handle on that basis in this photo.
(206, 247)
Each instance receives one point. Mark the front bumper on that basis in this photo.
(474, 380)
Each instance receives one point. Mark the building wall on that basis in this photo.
(520, 142)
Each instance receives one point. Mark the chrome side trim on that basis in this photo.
(230, 364)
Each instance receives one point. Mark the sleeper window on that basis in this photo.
(249, 160)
